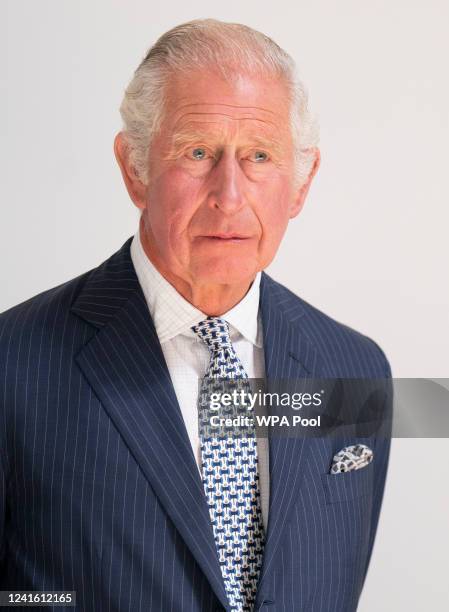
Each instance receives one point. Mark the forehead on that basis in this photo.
(203, 101)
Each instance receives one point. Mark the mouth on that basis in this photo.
(226, 237)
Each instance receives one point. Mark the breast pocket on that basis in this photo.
(348, 486)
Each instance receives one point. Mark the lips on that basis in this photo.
(225, 237)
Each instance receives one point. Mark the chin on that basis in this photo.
(231, 271)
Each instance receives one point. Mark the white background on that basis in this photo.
(368, 249)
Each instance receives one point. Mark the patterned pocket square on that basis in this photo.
(351, 458)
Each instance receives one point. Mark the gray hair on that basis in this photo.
(230, 48)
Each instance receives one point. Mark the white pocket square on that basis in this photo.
(351, 458)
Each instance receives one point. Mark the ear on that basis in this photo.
(301, 193)
(134, 185)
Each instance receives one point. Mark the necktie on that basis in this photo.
(230, 478)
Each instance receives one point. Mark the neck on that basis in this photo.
(214, 299)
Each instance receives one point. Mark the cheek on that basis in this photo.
(273, 208)
(173, 198)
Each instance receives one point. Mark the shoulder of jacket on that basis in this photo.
(320, 328)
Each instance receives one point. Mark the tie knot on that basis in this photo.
(214, 332)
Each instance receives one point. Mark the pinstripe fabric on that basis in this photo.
(99, 488)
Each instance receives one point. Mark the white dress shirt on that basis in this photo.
(187, 356)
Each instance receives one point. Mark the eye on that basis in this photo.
(259, 156)
(198, 153)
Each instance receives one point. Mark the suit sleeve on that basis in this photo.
(382, 453)
(3, 438)
(2, 512)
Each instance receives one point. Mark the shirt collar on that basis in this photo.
(172, 314)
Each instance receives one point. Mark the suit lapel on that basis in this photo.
(288, 355)
(125, 365)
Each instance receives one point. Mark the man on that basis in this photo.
(109, 488)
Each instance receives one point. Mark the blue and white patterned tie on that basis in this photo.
(231, 479)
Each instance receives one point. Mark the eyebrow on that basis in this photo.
(183, 138)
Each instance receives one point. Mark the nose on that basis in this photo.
(227, 184)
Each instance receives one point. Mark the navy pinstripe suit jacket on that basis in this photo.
(99, 489)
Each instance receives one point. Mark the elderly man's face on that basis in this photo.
(220, 187)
